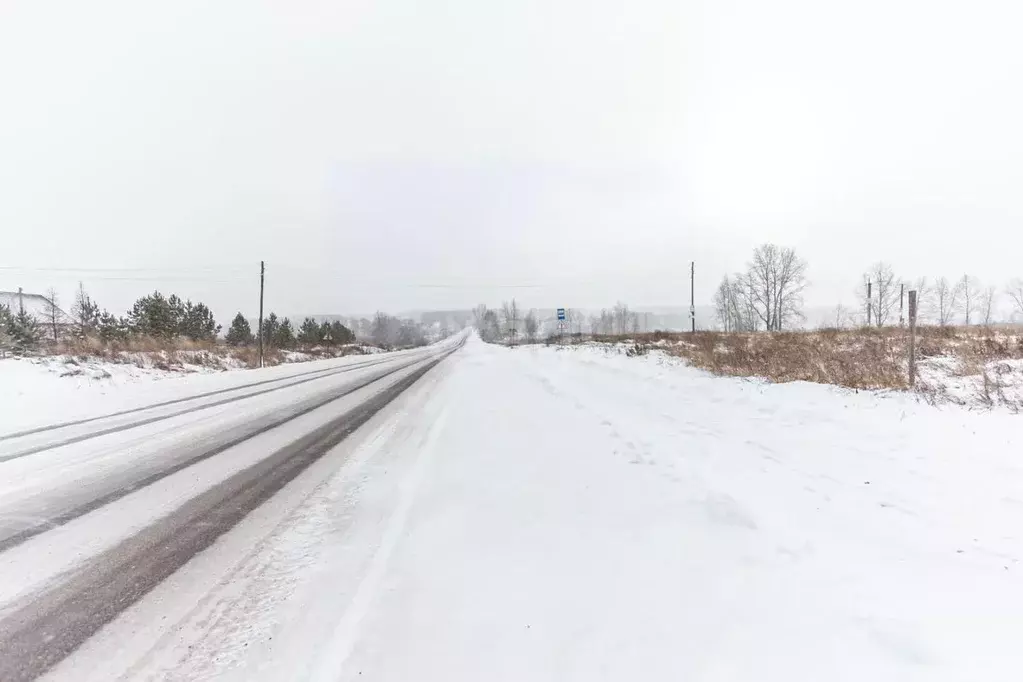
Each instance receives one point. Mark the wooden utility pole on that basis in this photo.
(262, 276)
(21, 303)
(869, 301)
(912, 339)
(902, 297)
(692, 294)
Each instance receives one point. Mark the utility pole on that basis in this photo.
(692, 294)
(21, 303)
(912, 339)
(902, 297)
(869, 301)
(262, 276)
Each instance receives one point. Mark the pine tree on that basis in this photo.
(327, 334)
(270, 327)
(341, 334)
(240, 333)
(23, 331)
(285, 336)
(309, 332)
(156, 316)
(197, 322)
(6, 323)
(111, 328)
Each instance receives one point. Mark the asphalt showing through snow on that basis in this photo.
(42, 628)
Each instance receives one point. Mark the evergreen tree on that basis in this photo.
(6, 339)
(327, 334)
(309, 332)
(240, 333)
(197, 322)
(341, 334)
(20, 330)
(285, 336)
(156, 316)
(177, 312)
(111, 328)
(270, 327)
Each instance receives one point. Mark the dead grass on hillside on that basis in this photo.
(861, 358)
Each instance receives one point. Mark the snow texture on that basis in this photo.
(570, 514)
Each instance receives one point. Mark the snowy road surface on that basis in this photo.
(526, 514)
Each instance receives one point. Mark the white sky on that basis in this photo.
(400, 154)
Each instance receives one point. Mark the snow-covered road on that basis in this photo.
(544, 514)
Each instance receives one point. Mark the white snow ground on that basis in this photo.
(543, 514)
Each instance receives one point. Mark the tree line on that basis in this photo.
(768, 295)
(160, 317)
(883, 300)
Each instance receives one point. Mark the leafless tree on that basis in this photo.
(987, 305)
(575, 319)
(486, 323)
(635, 323)
(1015, 292)
(53, 314)
(511, 318)
(735, 304)
(776, 279)
(620, 318)
(972, 296)
(924, 299)
(842, 316)
(85, 313)
(884, 292)
(479, 314)
(532, 325)
(948, 299)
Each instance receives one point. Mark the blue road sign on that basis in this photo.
(561, 314)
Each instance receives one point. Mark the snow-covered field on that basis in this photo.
(546, 514)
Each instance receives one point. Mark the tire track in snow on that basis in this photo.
(73, 510)
(320, 374)
(55, 623)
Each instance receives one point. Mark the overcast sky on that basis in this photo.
(401, 154)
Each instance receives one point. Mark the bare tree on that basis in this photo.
(971, 297)
(987, 305)
(776, 279)
(479, 314)
(635, 323)
(85, 312)
(842, 316)
(53, 314)
(884, 292)
(924, 299)
(1015, 292)
(574, 319)
(532, 325)
(733, 304)
(620, 318)
(511, 318)
(948, 299)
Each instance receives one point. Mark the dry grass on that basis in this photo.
(861, 358)
(175, 354)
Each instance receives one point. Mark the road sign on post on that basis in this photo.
(561, 314)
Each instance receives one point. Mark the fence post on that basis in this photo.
(912, 339)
